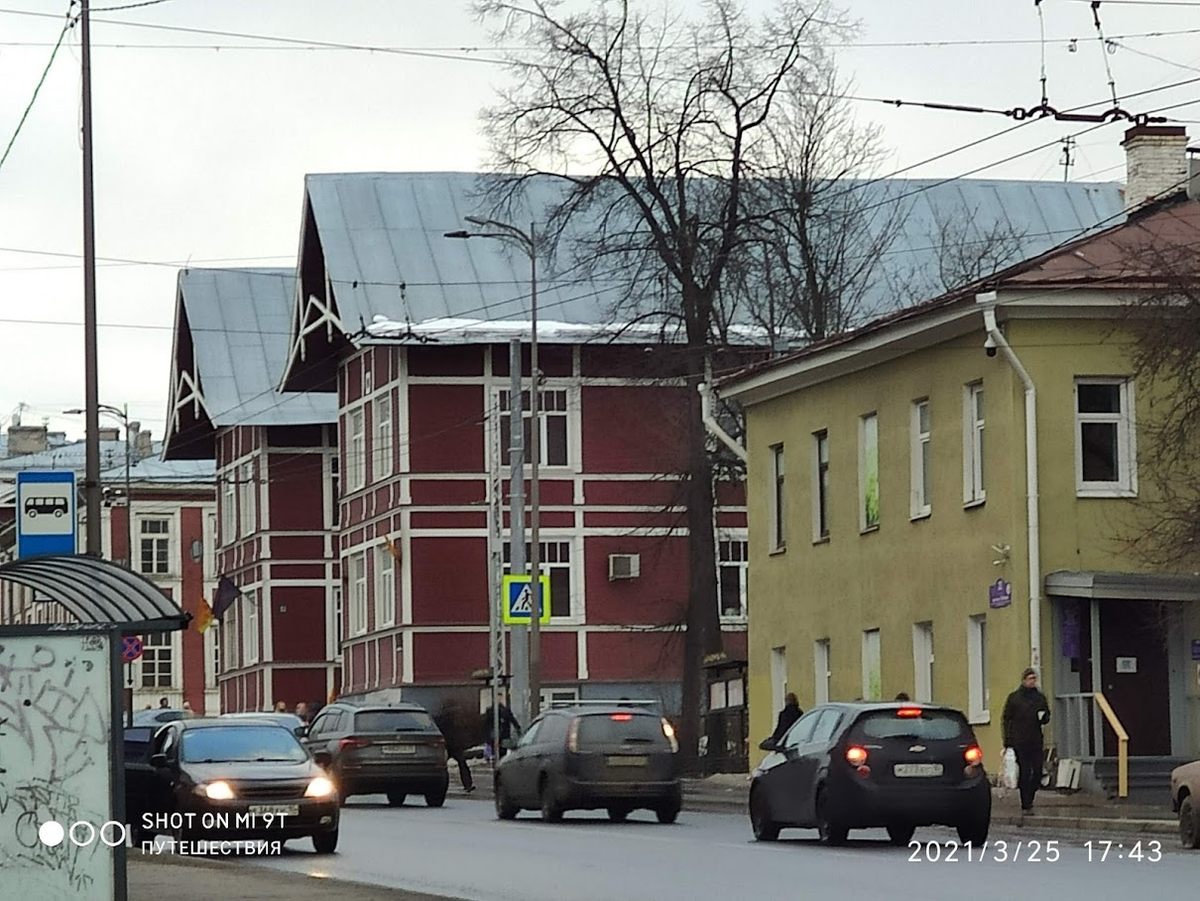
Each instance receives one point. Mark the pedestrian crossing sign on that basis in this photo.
(518, 599)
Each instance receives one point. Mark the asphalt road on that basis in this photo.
(462, 851)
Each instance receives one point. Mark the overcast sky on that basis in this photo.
(202, 140)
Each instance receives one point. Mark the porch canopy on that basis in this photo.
(1123, 586)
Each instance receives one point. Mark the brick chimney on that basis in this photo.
(26, 439)
(144, 447)
(1155, 163)
(1193, 162)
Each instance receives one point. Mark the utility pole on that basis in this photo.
(1068, 154)
(519, 701)
(535, 457)
(91, 369)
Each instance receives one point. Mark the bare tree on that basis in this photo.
(969, 249)
(654, 123)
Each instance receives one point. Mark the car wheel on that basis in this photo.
(667, 813)
(829, 830)
(1189, 823)
(765, 829)
(436, 798)
(325, 842)
(901, 835)
(618, 814)
(974, 832)
(505, 808)
(396, 799)
(552, 811)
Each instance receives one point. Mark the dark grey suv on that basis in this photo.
(592, 757)
(395, 750)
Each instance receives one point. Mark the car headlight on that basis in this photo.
(216, 791)
(320, 787)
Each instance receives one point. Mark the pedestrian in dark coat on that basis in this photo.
(787, 716)
(460, 733)
(508, 723)
(1025, 713)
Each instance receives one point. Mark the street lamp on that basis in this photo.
(527, 241)
(121, 413)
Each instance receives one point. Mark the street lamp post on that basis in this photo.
(121, 413)
(527, 241)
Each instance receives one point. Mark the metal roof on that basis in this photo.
(382, 238)
(97, 591)
(240, 320)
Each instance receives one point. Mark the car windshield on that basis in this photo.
(222, 744)
(621, 728)
(394, 721)
(931, 725)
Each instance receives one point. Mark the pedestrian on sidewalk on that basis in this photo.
(903, 697)
(1025, 713)
(508, 724)
(787, 716)
(458, 729)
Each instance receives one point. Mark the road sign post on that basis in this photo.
(47, 513)
(518, 599)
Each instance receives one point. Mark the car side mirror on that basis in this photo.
(159, 761)
(767, 744)
(323, 758)
(302, 732)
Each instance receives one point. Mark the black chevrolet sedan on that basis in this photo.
(213, 779)
(867, 765)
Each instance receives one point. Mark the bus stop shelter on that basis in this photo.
(62, 776)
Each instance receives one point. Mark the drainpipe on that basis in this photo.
(715, 427)
(996, 340)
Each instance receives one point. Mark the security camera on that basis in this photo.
(990, 346)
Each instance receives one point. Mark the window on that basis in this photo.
(778, 677)
(820, 486)
(250, 628)
(778, 507)
(556, 563)
(552, 413)
(923, 662)
(210, 547)
(802, 731)
(872, 680)
(977, 672)
(826, 726)
(335, 486)
(1104, 438)
(356, 450)
(155, 546)
(383, 438)
(358, 594)
(732, 569)
(157, 660)
(249, 496)
(337, 621)
(229, 638)
(922, 484)
(385, 587)
(973, 492)
(228, 509)
(821, 671)
(213, 637)
(868, 472)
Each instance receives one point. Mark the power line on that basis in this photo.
(67, 25)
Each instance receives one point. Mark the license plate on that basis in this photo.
(399, 749)
(277, 810)
(628, 761)
(917, 769)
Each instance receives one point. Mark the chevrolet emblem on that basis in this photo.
(916, 749)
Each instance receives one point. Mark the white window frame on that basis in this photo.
(922, 636)
(779, 678)
(212, 657)
(872, 665)
(248, 512)
(355, 464)
(554, 403)
(228, 519)
(733, 553)
(161, 542)
(822, 673)
(210, 547)
(974, 427)
(979, 695)
(251, 628)
(820, 491)
(547, 566)
(358, 593)
(777, 501)
(868, 460)
(382, 427)
(338, 624)
(922, 464)
(158, 656)
(231, 638)
(1124, 420)
(385, 588)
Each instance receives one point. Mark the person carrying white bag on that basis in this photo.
(1025, 713)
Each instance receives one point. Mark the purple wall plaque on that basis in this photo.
(999, 594)
(1071, 631)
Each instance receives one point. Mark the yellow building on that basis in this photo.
(894, 542)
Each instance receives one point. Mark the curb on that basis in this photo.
(1090, 824)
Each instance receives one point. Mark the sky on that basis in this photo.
(208, 113)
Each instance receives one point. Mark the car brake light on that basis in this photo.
(973, 755)
(856, 756)
(573, 736)
(909, 711)
(621, 717)
(352, 744)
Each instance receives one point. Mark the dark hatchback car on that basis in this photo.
(856, 766)
(395, 750)
(606, 757)
(248, 780)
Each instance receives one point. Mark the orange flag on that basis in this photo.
(204, 616)
(395, 551)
